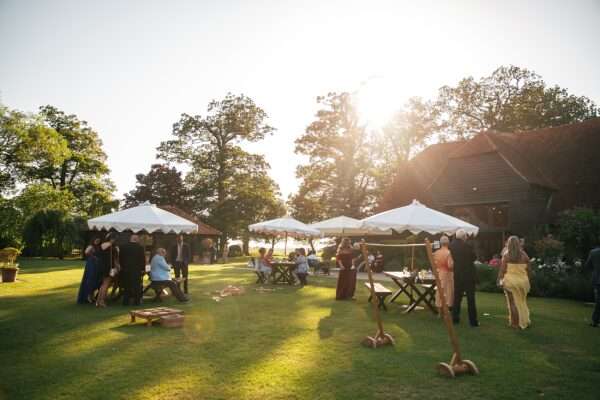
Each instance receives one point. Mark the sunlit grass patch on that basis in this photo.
(290, 343)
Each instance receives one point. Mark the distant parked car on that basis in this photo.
(235, 250)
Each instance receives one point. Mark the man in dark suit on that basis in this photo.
(593, 263)
(464, 277)
(180, 257)
(133, 264)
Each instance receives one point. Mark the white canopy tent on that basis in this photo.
(417, 218)
(145, 217)
(286, 227)
(344, 226)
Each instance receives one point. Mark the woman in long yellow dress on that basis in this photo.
(513, 277)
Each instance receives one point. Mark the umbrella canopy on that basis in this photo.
(145, 217)
(417, 218)
(287, 226)
(343, 225)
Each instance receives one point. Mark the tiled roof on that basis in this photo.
(564, 158)
(203, 229)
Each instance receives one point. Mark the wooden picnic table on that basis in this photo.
(417, 289)
(282, 272)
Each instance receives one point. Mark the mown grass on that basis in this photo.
(289, 344)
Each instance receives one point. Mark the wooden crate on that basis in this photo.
(172, 321)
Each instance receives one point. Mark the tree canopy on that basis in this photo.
(26, 145)
(163, 185)
(510, 99)
(220, 170)
(83, 171)
(340, 177)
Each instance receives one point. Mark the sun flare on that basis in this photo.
(377, 100)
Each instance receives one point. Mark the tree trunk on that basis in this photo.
(246, 244)
(223, 245)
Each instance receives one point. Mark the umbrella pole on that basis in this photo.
(285, 246)
(381, 338)
(457, 365)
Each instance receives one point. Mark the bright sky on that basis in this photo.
(130, 68)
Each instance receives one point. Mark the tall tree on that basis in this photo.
(404, 135)
(26, 145)
(84, 171)
(339, 178)
(163, 186)
(510, 99)
(210, 145)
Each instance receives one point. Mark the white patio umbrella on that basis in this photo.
(342, 225)
(145, 217)
(285, 226)
(417, 218)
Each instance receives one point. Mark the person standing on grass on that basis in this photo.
(465, 277)
(445, 267)
(180, 257)
(346, 283)
(513, 277)
(108, 266)
(133, 264)
(89, 281)
(301, 266)
(593, 263)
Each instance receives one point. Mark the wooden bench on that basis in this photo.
(160, 289)
(381, 292)
(261, 278)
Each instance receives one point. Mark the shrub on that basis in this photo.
(327, 253)
(547, 280)
(51, 233)
(548, 248)
(579, 229)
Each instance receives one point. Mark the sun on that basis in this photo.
(377, 101)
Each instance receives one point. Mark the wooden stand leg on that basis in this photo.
(457, 365)
(381, 338)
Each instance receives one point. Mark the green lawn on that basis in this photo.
(290, 344)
